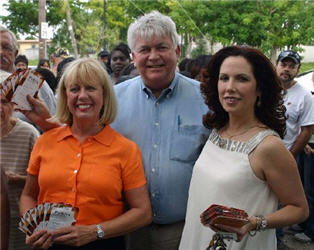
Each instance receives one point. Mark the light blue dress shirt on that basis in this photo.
(170, 134)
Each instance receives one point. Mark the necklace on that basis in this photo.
(241, 133)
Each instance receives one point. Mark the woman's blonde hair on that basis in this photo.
(86, 71)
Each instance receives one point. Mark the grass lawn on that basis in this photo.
(33, 62)
(306, 66)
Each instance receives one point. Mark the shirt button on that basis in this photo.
(78, 155)
(153, 194)
(154, 214)
(157, 103)
(156, 123)
(153, 170)
(75, 171)
(155, 146)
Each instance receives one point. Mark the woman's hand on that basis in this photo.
(240, 231)
(39, 240)
(75, 235)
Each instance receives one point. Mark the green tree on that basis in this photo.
(269, 25)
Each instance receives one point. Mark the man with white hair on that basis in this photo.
(8, 53)
(161, 111)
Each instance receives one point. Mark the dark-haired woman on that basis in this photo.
(119, 58)
(244, 163)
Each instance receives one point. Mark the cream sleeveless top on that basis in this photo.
(223, 175)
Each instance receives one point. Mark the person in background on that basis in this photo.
(43, 63)
(8, 52)
(58, 57)
(62, 65)
(128, 72)
(298, 101)
(183, 67)
(49, 77)
(163, 112)
(4, 213)
(244, 163)
(21, 62)
(306, 163)
(119, 58)
(16, 142)
(96, 169)
(198, 66)
(300, 112)
(103, 57)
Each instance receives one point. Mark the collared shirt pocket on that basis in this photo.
(187, 142)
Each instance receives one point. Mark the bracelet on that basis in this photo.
(262, 225)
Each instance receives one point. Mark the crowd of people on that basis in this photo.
(142, 145)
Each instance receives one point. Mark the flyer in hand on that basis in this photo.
(49, 216)
(20, 84)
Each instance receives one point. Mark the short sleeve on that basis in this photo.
(34, 161)
(133, 175)
(307, 116)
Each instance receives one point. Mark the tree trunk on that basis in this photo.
(273, 54)
(71, 31)
(105, 25)
(41, 18)
(189, 46)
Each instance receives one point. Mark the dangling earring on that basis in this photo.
(258, 102)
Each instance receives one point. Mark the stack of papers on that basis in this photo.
(20, 84)
(49, 216)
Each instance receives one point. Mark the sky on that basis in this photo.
(3, 12)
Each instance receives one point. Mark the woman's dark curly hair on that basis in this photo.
(271, 110)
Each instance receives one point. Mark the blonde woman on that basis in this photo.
(88, 165)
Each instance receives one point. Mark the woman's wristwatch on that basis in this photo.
(100, 232)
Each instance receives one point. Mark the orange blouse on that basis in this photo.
(91, 176)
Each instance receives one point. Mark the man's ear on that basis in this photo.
(133, 57)
(178, 51)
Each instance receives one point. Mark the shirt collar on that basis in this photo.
(168, 91)
(105, 136)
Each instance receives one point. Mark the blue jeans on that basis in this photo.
(306, 169)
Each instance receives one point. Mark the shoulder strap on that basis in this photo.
(258, 138)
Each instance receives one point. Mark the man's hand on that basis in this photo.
(39, 110)
(39, 114)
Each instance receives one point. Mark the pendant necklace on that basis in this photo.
(242, 133)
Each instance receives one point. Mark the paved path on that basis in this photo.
(293, 244)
